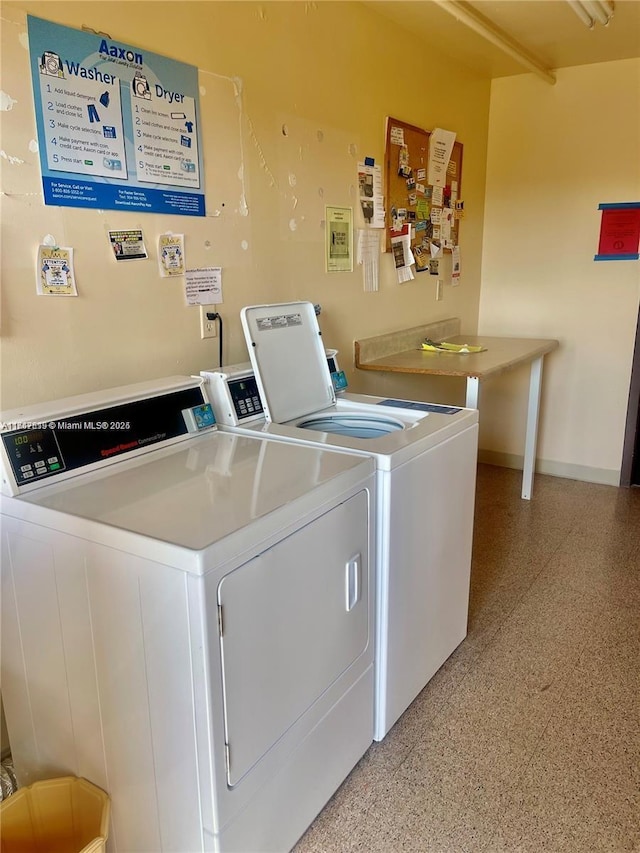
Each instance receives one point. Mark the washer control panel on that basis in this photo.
(234, 394)
(245, 397)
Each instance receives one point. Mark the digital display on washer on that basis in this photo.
(40, 451)
(245, 397)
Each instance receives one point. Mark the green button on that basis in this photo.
(54, 467)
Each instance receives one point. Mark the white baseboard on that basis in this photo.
(604, 476)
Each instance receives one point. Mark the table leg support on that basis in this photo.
(473, 392)
(535, 386)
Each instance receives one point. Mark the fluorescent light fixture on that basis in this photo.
(582, 13)
(590, 11)
(600, 9)
(467, 15)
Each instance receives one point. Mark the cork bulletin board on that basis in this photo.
(433, 213)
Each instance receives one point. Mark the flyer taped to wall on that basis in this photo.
(203, 286)
(171, 255)
(338, 239)
(128, 245)
(54, 271)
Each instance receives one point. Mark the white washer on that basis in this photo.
(425, 458)
(187, 617)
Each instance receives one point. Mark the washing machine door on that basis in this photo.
(288, 358)
(294, 619)
(290, 366)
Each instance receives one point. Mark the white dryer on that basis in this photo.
(187, 617)
(425, 457)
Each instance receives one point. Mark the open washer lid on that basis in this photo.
(290, 363)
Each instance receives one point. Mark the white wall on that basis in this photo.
(334, 68)
(555, 153)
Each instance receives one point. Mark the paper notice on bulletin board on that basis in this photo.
(440, 148)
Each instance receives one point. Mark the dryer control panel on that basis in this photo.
(44, 443)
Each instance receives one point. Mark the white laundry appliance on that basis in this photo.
(187, 616)
(425, 457)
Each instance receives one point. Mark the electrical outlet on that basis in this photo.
(438, 290)
(208, 328)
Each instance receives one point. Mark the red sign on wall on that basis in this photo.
(619, 232)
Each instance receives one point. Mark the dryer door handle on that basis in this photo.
(353, 581)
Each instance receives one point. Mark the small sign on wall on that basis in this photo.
(619, 232)
(339, 239)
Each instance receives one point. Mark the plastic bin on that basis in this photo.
(64, 815)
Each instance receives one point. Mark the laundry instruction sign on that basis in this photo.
(117, 126)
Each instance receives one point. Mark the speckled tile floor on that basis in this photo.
(528, 738)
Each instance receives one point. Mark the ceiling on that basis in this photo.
(548, 29)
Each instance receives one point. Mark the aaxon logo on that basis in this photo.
(120, 53)
(51, 64)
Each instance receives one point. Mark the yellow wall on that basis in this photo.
(555, 153)
(330, 72)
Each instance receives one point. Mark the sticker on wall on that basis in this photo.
(619, 232)
(128, 245)
(171, 258)
(117, 126)
(54, 271)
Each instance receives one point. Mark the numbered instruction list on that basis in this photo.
(118, 126)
